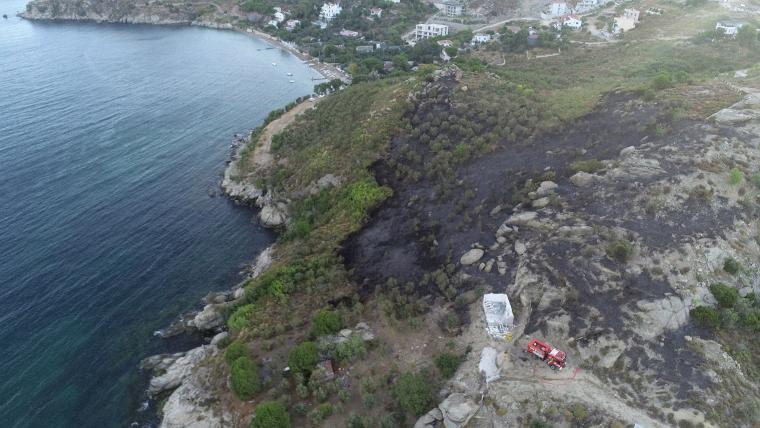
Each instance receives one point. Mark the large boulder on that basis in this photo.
(546, 188)
(522, 218)
(273, 215)
(582, 179)
(457, 409)
(730, 116)
(179, 370)
(471, 256)
(209, 318)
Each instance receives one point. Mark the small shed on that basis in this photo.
(499, 316)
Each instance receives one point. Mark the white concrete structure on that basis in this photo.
(292, 24)
(626, 22)
(570, 21)
(555, 10)
(450, 7)
(329, 11)
(375, 11)
(426, 31)
(273, 23)
(499, 316)
(481, 38)
(279, 16)
(730, 27)
(583, 6)
(488, 366)
(349, 33)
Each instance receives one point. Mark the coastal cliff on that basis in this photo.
(124, 11)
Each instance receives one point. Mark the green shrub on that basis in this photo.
(304, 357)
(351, 348)
(731, 266)
(589, 165)
(705, 316)
(447, 364)
(236, 350)
(751, 320)
(245, 378)
(580, 413)
(756, 180)
(271, 414)
(241, 318)
(326, 322)
(662, 80)
(725, 295)
(362, 195)
(735, 176)
(414, 393)
(620, 250)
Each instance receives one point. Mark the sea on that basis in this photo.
(113, 139)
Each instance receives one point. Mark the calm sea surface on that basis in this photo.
(110, 138)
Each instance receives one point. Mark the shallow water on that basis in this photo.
(112, 138)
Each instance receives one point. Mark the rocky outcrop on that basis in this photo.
(194, 405)
(274, 214)
(457, 409)
(117, 11)
(177, 370)
(471, 256)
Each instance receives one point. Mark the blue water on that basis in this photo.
(110, 138)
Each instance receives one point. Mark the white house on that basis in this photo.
(481, 38)
(425, 31)
(446, 43)
(375, 11)
(583, 6)
(273, 23)
(279, 16)
(450, 7)
(292, 24)
(349, 33)
(555, 10)
(329, 11)
(730, 27)
(570, 21)
(626, 22)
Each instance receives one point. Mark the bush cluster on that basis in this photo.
(271, 414)
(303, 358)
(732, 311)
(447, 364)
(326, 322)
(244, 378)
(414, 393)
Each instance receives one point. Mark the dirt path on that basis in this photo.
(262, 156)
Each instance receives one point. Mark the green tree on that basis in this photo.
(725, 295)
(244, 377)
(662, 80)
(326, 322)
(413, 393)
(447, 363)
(705, 316)
(304, 357)
(271, 414)
(236, 350)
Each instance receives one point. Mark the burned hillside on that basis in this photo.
(598, 230)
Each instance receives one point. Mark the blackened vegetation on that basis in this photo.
(463, 157)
